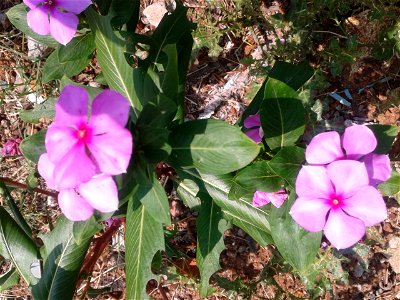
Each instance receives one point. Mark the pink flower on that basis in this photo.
(253, 123)
(83, 152)
(358, 142)
(263, 198)
(11, 147)
(57, 17)
(339, 200)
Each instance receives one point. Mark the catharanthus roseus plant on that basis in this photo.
(254, 130)
(263, 198)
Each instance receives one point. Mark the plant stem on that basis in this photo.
(17, 184)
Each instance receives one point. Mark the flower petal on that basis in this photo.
(313, 183)
(261, 198)
(342, 230)
(252, 121)
(324, 148)
(75, 168)
(72, 106)
(348, 177)
(46, 170)
(101, 193)
(59, 141)
(38, 20)
(378, 168)
(63, 26)
(74, 6)
(367, 205)
(73, 206)
(310, 213)
(278, 198)
(358, 140)
(102, 115)
(254, 134)
(112, 150)
(32, 3)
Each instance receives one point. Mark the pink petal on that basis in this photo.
(73, 206)
(310, 213)
(72, 106)
(313, 183)
(367, 205)
(59, 141)
(38, 20)
(112, 150)
(378, 167)
(358, 140)
(63, 26)
(32, 3)
(75, 167)
(46, 170)
(348, 177)
(342, 230)
(324, 148)
(254, 134)
(261, 198)
(73, 6)
(102, 115)
(252, 121)
(101, 193)
(278, 198)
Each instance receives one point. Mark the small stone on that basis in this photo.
(35, 49)
(155, 12)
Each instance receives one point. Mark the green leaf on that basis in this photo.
(282, 115)
(287, 163)
(200, 144)
(391, 186)
(43, 110)
(187, 191)
(297, 246)
(93, 92)
(8, 280)
(152, 144)
(257, 177)
(110, 48)
(254, 221)
(385, 135)
(78, 47)
(54, 69)
(84, 230)
(63, 260)
(292, 75)
(17, 16)
(210, 241)
(17, 247)
(144, 237)
(125, 12)
(33, 146)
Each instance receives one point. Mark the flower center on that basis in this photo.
(335, 202)
(81, 134)
(49, 2)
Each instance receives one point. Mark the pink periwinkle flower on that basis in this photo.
(255, 131)
(357, 142)
(263, 198)
(83, 151)
(11, 147)
(57, 17)
(337, 199)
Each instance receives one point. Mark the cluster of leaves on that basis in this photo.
(215, 176)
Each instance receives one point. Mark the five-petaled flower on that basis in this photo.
(338, 199)
(84, 151)
(57, 17)
(358, 142)
(255, 132)
(263, 198)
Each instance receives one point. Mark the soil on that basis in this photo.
(221, 87)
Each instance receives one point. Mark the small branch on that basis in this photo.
(16, 184)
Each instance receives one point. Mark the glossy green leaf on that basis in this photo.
(385, 134)
(78, 47)
(125, 12)
(84, 230)
(287, 163)
(199, 144)
(33, 146)
(43, 110)
(62, 259)
(282, 115)
(110, 48)
(292, 75)
(187, 191)
(210, 241)
(9, 279)
(153, 143)
(17, 16)
(144, 238)
(297, 246)
(54, 69)
(17, 247)
(391, 186)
